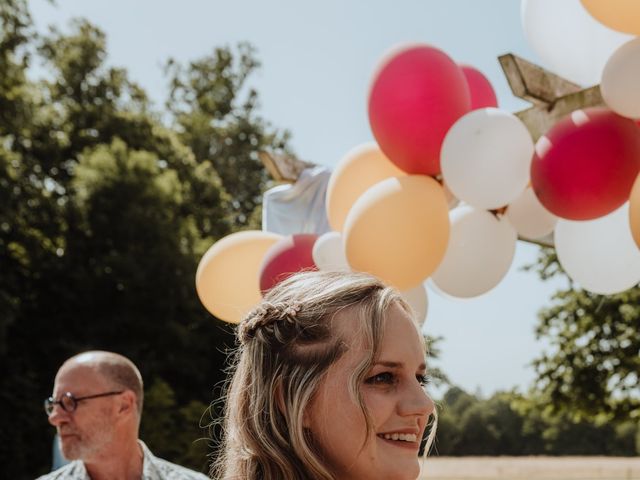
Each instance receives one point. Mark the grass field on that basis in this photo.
(531, 468)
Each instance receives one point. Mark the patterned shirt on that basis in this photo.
(153, 468)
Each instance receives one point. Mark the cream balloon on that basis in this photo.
(480, 252)
(328, 253)
(568, 41)
(486, 158)
(398, 230)
(621, 80)
(599, 254)
(361, 168)
(418, 301)
(529, 217)
(620, 15)
(227, 279)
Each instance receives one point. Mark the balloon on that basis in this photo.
(417, 93)
(600, 254)
(585, 165)
(482, 93)
(634, 211)
(227, 275)
(398, 230)
(479, 254)
(418, 301)
(361, 168)
(328, 253)
(486, 157)
(620, 15)
(568, 41)
(620, 80)
(289, 255)
(529, 217)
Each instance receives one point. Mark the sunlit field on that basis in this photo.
(531, 468)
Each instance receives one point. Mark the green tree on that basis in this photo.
(486, 427)
(592, 369)
(105, 212)
(173, 431)
(509, 423)
(214, 111)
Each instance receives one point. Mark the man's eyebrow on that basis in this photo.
(397, 365)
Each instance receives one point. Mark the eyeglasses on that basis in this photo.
(69, 403)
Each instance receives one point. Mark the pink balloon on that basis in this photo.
(416, 94)
(482, 93)
(584, 167)
(287, 256)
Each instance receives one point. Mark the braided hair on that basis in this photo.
(285, 347)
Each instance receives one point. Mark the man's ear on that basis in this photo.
(127, 403)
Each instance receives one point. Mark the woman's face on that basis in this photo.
(393, 392)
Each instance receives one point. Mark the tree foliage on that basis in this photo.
(593, 368)
(509, 423)
(106, 206)
(214, 111)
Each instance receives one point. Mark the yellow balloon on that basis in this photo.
(361, 168)
(398, 230)
(634, 211)
(620, 15)
(227, 279)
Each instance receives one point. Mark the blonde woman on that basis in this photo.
(328, 384)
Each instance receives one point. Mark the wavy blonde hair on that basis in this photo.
(286, 347)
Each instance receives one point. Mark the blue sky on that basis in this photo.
(317, 60)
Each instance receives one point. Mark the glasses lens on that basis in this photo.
(67, 402)
(48, 405)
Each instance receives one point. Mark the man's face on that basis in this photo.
(84, 432)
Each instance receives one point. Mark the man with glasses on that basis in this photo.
(96, 408)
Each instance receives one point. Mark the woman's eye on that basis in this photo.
(423, 380)
(385, 378)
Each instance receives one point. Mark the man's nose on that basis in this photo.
(58, 415)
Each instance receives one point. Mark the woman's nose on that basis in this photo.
(416, 402)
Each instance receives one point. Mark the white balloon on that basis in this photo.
(529, 217)
(620, 86)
(328, 253)
(599, 254)
(418, 301)
(486, 158)
(568, 40)
(480, 252)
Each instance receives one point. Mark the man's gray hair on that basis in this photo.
(117, 369)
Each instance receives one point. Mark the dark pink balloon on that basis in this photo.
(416, 95)
(287, 256)
(584, 167)
(482, 93)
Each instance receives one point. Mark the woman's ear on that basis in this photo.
(281, 403)
(305, 419)
(279, 394)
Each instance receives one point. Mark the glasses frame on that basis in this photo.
(50, 403)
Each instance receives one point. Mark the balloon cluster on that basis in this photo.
(584, 168)
(452, 181)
